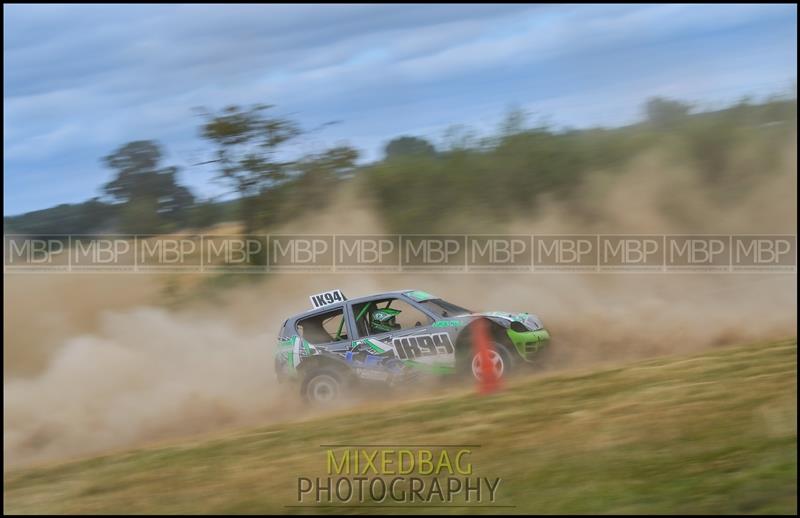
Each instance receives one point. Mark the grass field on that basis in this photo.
(710, 433)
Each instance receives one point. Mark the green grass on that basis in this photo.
(711, 433)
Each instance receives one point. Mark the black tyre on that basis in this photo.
(322, 386)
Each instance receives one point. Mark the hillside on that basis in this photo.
(710, 433)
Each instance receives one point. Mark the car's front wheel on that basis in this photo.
(496, 366)
(499, 363)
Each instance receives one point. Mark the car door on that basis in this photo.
(432, 343)
(416, 339)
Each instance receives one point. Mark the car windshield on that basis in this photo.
(443, 308)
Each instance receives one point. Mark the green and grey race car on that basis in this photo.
(395, 337)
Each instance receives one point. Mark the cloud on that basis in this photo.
(80, 79)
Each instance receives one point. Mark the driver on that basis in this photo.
(383, 320)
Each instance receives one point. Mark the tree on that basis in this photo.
(409, 147)
(514, 122)
(664, 112)
(336, 161)
(150, 193)
(458, 137)
(310, 182)
(319, 173)
(247, 144)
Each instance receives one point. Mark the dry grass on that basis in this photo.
(710, 433)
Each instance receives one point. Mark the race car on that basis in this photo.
(395, 337)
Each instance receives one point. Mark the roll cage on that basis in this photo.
(354, 326)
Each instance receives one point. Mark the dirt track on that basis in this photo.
(95, 362)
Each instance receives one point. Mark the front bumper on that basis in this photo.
(528, 343)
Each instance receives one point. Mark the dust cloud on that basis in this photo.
(100, 362)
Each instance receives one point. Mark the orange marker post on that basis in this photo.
(488, 381)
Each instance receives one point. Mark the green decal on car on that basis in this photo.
(293, 350)
(432, 368)
(420, 296)
(377, 346)
(527, 338)
(448, 323)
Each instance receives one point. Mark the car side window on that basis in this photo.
(401, 316)
(326, 327)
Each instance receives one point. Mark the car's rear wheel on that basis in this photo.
(323, 386)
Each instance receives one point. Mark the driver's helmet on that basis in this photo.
(383, 320)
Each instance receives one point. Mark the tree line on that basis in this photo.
(415, 182)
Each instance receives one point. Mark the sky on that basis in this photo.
(81, 80)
